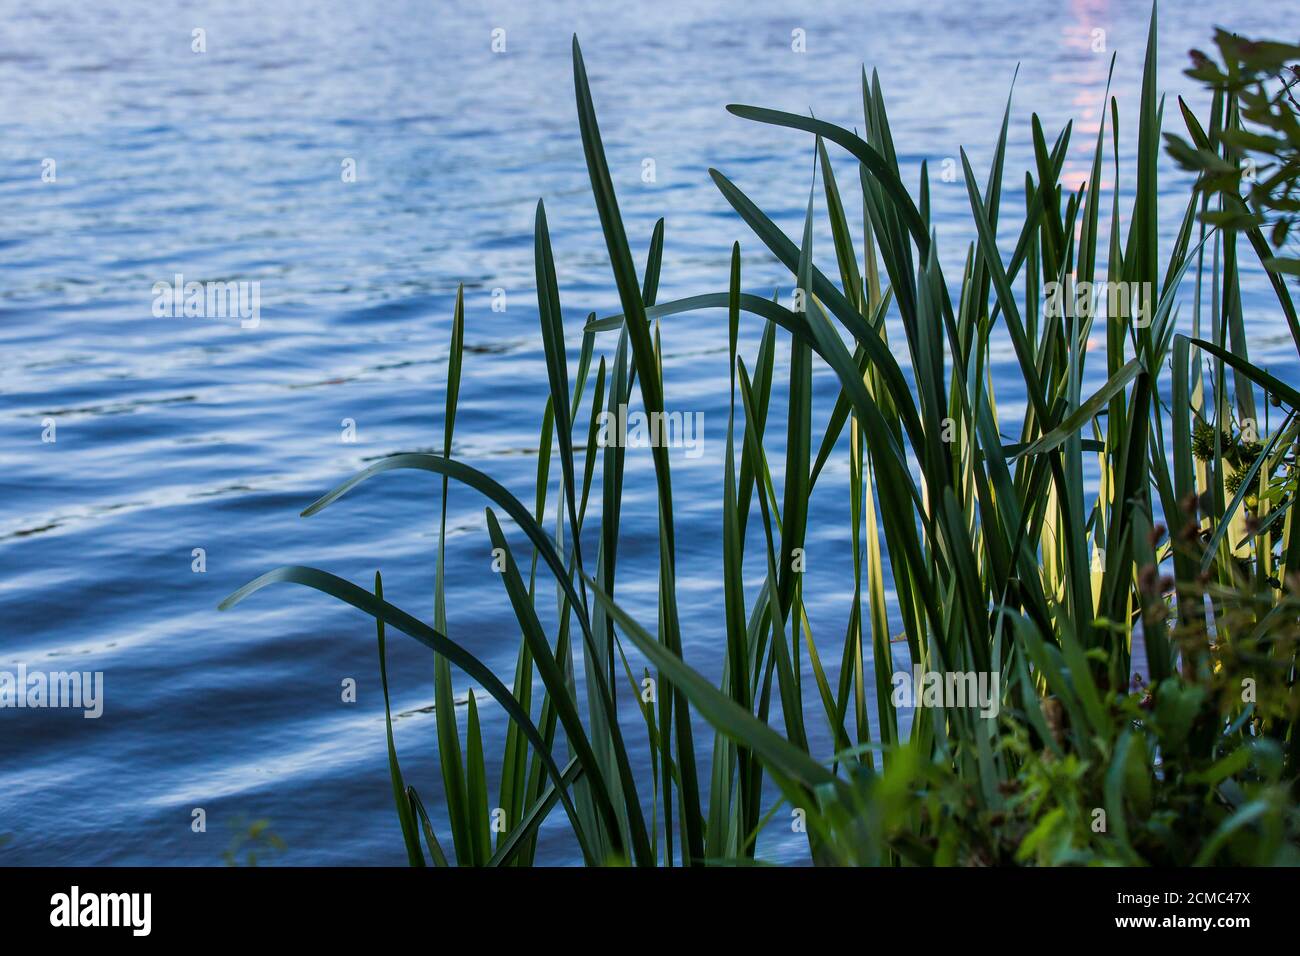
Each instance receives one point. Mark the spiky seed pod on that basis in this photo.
(1203, 441)
(1246, 452)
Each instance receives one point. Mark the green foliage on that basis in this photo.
(255, 841)
(1183, 772)
(977, 553)
(1258, 147)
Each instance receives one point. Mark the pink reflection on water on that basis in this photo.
(1085, 43)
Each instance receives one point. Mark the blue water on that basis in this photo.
(182, 433)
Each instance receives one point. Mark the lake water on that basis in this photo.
(182, 433)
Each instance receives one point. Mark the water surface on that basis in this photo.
(175, 434)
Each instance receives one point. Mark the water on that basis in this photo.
(175, 434)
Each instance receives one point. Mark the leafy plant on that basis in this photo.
(255, 840)
(1001, 555)
(1258, 146)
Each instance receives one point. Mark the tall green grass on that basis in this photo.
(999, 558)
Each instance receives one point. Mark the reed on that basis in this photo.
(1000, 561)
